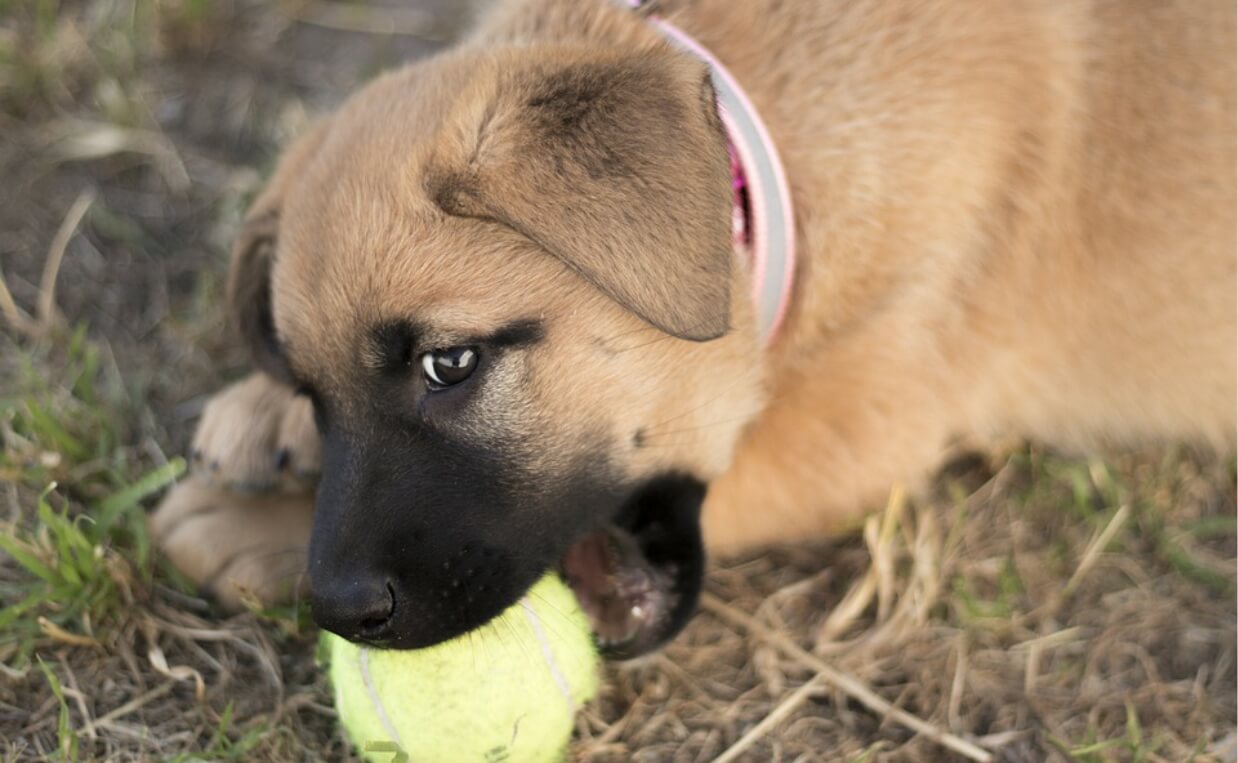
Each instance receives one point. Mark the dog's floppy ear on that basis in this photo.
(253, 253)
(617, 166)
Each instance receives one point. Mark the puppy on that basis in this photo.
(502, 282)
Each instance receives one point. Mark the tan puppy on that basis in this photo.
(502, 277)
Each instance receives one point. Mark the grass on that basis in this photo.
(84, 549)
(1130, 746)
(79, 577)
(1043, 606)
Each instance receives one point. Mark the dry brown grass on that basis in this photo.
(957, 611)
(1033, 607)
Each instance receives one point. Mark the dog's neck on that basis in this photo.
(763, 217)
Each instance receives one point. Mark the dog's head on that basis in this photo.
(506, 281)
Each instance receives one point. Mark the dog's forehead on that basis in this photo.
(373, 263)
(362, 243)
(368, 261)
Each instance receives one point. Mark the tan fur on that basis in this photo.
(1013, 219)
(246, 428)
(239, 546)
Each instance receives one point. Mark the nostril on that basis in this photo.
(378, 620)
(361, 609)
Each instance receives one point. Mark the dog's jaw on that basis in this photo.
(638, 579)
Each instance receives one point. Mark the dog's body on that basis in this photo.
(1013, 219)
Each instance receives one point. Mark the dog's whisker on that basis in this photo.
(521, 643)
(629, 332)
(652, 429)
(646, 329)
(301, 550)
(689, 430)
(228, 562)
(299, 586)
(472, 651)
(656, 340)
(664, 335)
(551, 623)
(697, 427)
(548, 603)
(293, 574)
(485, 642)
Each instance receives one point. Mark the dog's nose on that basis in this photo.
(358, 609)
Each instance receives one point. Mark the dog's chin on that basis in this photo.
(638, 579)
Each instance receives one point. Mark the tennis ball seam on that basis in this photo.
(363, 663)
(382, 696)
(548, 653)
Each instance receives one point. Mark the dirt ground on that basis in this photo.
(1033, 607)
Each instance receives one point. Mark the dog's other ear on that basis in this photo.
(616, 165)
(253, 253)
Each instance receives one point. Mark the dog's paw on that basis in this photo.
(238, 548)
(257, 435)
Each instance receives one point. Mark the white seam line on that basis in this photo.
(364, 663)
(549, 653)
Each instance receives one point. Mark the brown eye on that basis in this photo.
(443, 368)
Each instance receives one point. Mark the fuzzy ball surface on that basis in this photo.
(504, 693)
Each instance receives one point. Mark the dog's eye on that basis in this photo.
(443, 368)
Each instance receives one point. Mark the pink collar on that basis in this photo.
(763, 219)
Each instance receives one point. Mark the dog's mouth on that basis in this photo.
(627, 599)
(639, 578)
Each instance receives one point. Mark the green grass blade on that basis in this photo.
(23, 556)
(64, 728)
(46, 427)
(127, 499)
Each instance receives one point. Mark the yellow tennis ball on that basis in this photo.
(504, 693)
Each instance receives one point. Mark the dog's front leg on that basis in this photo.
(239, 525)
(239, 548)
